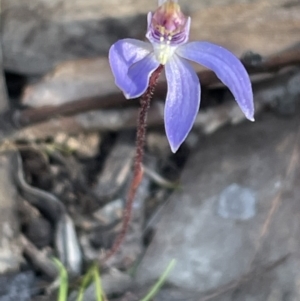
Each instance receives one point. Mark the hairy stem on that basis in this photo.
(139, 154)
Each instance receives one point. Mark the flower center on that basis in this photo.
(168, 28)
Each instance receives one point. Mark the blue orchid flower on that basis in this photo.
(133, 62)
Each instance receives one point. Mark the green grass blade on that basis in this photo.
(154, 290)
(84, 284)
(63, 279)
(98, 284)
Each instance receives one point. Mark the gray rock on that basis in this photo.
(213, 251)
(18, 287)
(117, 168)
(10, 247)
(71, 81)
(39, 34)
(3, 93)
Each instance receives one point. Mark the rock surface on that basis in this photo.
(71, 81)
(17, 287)
(10, 247)
(213, 249)
(3, 92)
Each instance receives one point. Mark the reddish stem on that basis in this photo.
(139, 154)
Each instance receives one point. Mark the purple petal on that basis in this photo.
(228, 69)
(139, 74)
(183, 100)
(122, 55)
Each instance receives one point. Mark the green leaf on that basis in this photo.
(63, 281)
(84, 284)
(98, 285)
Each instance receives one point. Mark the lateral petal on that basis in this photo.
(122, 55)
(228, 69)
(139, 74)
